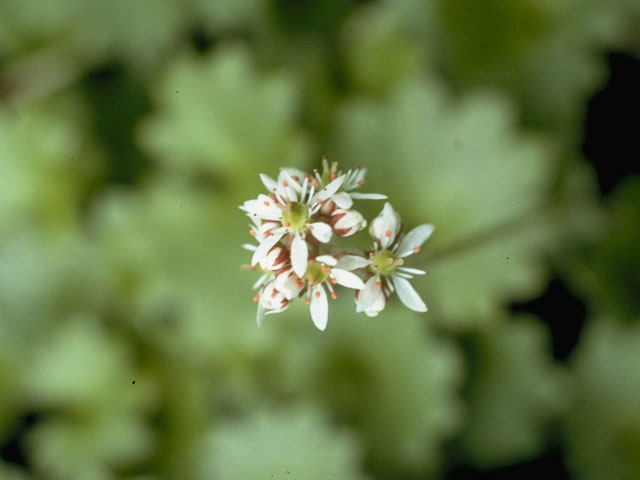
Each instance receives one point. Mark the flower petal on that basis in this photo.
(347, 279)
(260, 255)
(415, 271)
(371, 299)
(386, 226)
(352, 262)
(321, 231)
(260, 315)
(327, 259)
(330, 189)
(269, 183)
(319, 307)
(414, 239)
(299, 255)
(408, 295)
(342, 200)
(367, 196)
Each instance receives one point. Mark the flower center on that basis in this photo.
(384, 263)
(316, 273)
(295, 216)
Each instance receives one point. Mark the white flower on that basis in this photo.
(344, 196)
(326, 270)
(387, 264)
(347, 222)
(293, 202)
(270, 300)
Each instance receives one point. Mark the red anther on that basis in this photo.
(285, 183)
(307, 300)
(296, 178)
(287, 224)
(310, 227)
(315, 170)
(323, 267)
(273, 197)
(332, 176)
(333, 280)
(256, 297)
(334, 295)
(416, 250)
(317, 293)
(267, 233)
(266, 204)
(361, 182)
(274, 293)
(387, 233)
(314, 182)
(252, 233)
(319, 202)
(299, 282)
(310, 262)
(378, 285)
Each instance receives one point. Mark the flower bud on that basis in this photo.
(272, 299)
(328, 208)
(347, 222)
(288, 283)
(276, 257)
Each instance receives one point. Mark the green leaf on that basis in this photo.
(603, 425)
(513, 394)
(221, 116)
(279, 444)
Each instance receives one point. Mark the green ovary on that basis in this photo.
(295, 216)
(315, 274)
(385, 263)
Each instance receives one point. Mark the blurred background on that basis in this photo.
(130, 131)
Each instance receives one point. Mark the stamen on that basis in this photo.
(334, 280)
(256, 297)
(307, 300)
(310, 262)
(266, 204)
(252, 233)
(334, 295)
(287, 224)
(387, 233)
(378, 284)
(310, 227)
(296, 178)
(416, 250)
(299, 282)
(318, 202)
(361, 182)
(332, 176)
(285, 183)
(317, 293)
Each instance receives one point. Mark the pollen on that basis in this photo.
(287, 224)
(333, 280)
(334, 295)
(252, 233)
(319, 202)
(310, 227)
(307, 300)
(332, 176)
(285, 184)
(378, 284)
(266, 204)
(416, 250)
(317, 293)
(310, 262)
(299, 282)
(256, 297)
(387, 233)
(361, 182)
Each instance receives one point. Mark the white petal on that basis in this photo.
(268, 182)
(248, 246)
(260, 254)
(342, 200)
(260, 315)
(415, 271)
(414, 239)
(347, 279)
(321, 231)
(330, 189)
(264, 208)
(352, 262)
(299, 255)
(319, 307)
(408, 295)
(388, 222)
(260, 281)
(371, 298)
(327, 259)
(367, 196)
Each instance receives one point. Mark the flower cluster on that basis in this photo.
(294, 225)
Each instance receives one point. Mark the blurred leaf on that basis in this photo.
(218, 115)
(8, 472)
(515, 390)
(292, 443)
(465, 168)
(603, 426)
(388, 377)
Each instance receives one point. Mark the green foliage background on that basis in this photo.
(130, 131)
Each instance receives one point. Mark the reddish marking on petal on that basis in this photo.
(317, 293)
(299, 282)
(252, 233)
(387, 233)
(334, 295)
(285, 184)
(266, 204)
(296, 178)
(378, 284)
(416, 250)
(307, 300)
(256, 297)
(361, 182)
